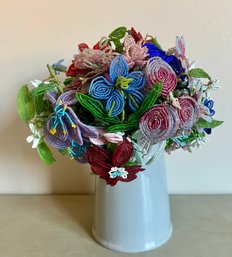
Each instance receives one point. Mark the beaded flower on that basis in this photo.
(63, 125)
(155, 51)
(135, 54)
(112, 167)
(122, 103)
(158, 70)
(122, 86)
(159, 123)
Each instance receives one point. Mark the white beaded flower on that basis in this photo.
(35, 137)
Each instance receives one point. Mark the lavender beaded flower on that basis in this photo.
(122, 86)
(63, 125)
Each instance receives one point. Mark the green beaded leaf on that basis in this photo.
(42, 88)
(63, 151)
(193, 136)
(38, 96)
(68, 80)
(205, 124)
(168, 143)
(130, 163)
(133, 119)
(39, 103)
(122, 127)
(45, 153)
(96, 108)
(111, 147)
(25, 105)
(155, 42)
(118, 33)
(148, 102)
(199, 73)
(118, 45)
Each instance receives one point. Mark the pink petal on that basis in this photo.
(113, 137)
(98, 141)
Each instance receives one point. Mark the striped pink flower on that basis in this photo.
(159, 71)
(159, 123)
(189, 112)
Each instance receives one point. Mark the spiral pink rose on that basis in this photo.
(159, 71)
(159, 123)
(189, 112)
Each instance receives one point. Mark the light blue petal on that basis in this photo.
(100, 88)
(118, 67)
(115, 103)
(134, 100)
(137, 82)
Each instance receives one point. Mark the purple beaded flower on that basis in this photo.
(122, 85)
(63, 125)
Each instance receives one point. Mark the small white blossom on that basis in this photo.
(118, 172)
(35, 137)
(196, 84)
(36, 82)
(198, 142)
(212, 85)
(174, 101)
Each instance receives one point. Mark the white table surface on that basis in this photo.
(60, 226)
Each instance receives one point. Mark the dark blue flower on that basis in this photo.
(208, 130)
(209, 104)
(123, 85)
(154, 51)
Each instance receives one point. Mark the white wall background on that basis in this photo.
(34, 33)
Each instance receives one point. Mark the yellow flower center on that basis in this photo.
(122, 82)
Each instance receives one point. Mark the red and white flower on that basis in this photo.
(112, 167)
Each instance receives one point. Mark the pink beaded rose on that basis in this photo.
(159, 123)
(189, 112)
(159, 71)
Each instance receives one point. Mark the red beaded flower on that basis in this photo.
(112, 168)
(136, 35)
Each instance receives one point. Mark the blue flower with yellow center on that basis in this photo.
(122, 87)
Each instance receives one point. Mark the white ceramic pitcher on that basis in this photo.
(134, 216)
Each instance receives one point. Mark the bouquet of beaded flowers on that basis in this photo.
(119, 100)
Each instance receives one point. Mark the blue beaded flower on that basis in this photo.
(209, 104)
(170, 59)
(123, 86)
